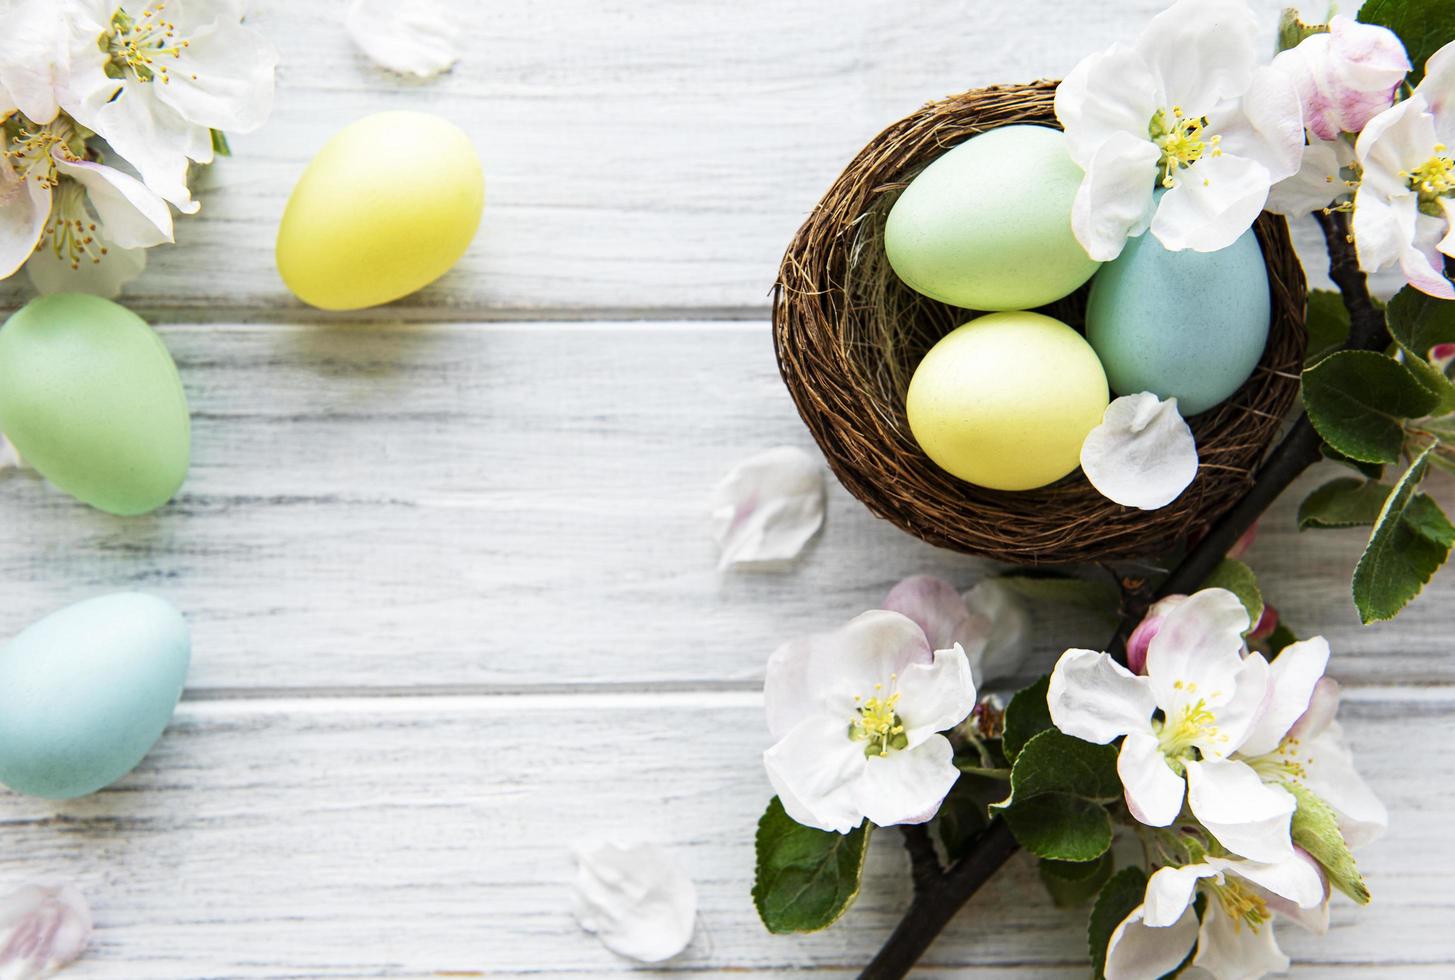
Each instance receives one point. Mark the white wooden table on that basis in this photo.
(446, 563)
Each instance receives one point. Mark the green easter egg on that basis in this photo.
(987, 226)
(90, 397)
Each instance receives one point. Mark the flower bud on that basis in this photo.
(1245, 541)
(1149, 627)
(1267, 623)
(1345, 77)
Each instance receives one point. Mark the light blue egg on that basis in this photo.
(1189, 325)
(86, 692)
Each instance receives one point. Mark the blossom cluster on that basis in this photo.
(1184, 132)
(104, 107)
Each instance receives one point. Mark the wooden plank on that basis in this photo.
(517, 505)
(641, 155)
(402, 836)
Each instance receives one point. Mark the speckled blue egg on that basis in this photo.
(1189, 325)
(86, 692)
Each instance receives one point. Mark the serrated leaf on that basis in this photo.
(1425, 26)
(806, 878)
(1328, 324)
(1238, 579)
(1026, 716)
(1053, 762)
(1345, 502)
(963, 814)
(1061, 827)
(1371, 471)
(1123, 892)
(1411, 540)
(1071, 883)
(1067, 590)
(1315, 828)
(1358, 399)
(1417, 323)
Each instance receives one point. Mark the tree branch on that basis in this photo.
(939, 898)
(924, 863)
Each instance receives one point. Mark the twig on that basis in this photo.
(938, 899)
(924, 863)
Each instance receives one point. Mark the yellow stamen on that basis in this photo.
(1241, 904)
(878, 724)
(1183, 142)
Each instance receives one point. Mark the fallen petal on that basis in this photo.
(412, 38)
(636, 899)
(10, 458)
(768, 507)
(42, 930)
(1143, 454)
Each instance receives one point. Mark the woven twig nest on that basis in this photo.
(849, 335)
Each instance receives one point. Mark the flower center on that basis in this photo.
(1188, 725)
(141, 46)
(1432, 180)
(69, 232)
(1183, 141)
(1285, 762)
(32, 153)
(877, 724)
(1241, 904)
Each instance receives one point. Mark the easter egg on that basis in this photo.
(86, 692)
(1185, 325)
(987, 226)
(1006, 400)
(388, 205)
(91, 398)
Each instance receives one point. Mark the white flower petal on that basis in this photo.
(1379, 225)
(768, 507)
(935, 697)
(907, 786)
(409, 38)
(1345, 76)
(1237, 716)
(1265, 126)
(1200, 642)
(938, 609)
(224, 77)
(1107, 93)
(1142, 454)
(1009, 641)
(1137, 951)
(1169, 892)
(1292, 678)
(32, 57)
(1317, 184)
(1295, 878)
(1422, 263)
(42, 930)
(10, 458)
(1329, 772)
(50, 272)
(1114, 201)
(1323, 705)
(814, 770)
(1153, 791)
(1230, 950)
(1203, 51)
(1214, 201)
(1438, 89)
(134, 216)
(822, 673)
(24, 207)
(1247, 817)
(150, 136)
(1315, 916)
(1094, 698)
(637, 899)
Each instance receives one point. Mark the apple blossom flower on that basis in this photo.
(989, 622)
(1185, 107)
(637, 900)
(857, 715)
(1235, 938)
(1296, 740)
(42, 929)
(1344, 76)
(768, 507)
(1151, 624)
(154, 79)
(409, 38)
(1404, 209)
(1209, 696)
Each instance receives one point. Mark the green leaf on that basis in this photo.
(1068, 590)
(1315, 828)
(1345, 502)
(1328, 323)
(219, 143)
(1411, 540)
(1281, 637)
(1238, 579)
(1417, 323)
(1425, 26)
(1292, 31)
(1073, 882)
(806, 878)
(1052, 762)
(1122, 893)
(1061, 827)
(1372, 471)
(1356, 399)
(963, 815)
(1026, 716)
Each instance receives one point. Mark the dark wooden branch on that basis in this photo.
(924, 864)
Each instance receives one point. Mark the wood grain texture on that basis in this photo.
(647, 157)
(516, 505)
(404, 836)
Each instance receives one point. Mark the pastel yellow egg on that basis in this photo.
(1006, 400)
(388, 205)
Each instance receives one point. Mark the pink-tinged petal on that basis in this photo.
(1214, 201)
(1153, 791)
(1423, 264)
(1094, 698)
(907, 786)
(1323, 705)
(1108, 93)
(1346, 76)
(822, 673)
(1137, 951)
(1170, 890)
(814, 770)
(1265, 126)
(1313, 916)
(1295, 879)
(24, 206)
(1236, 717)
(1438, 87)
(1203, 51)
(767, 508)
(1200, 643)
(1141, 639)
(1114, 201)
(1329, 773)
(937, 607)
(1294, 674)
(42, 930)
(935, 697)
(1267, 623)
(134, 216)
(1009, 640)
(1233, 950)
(1247, 817)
